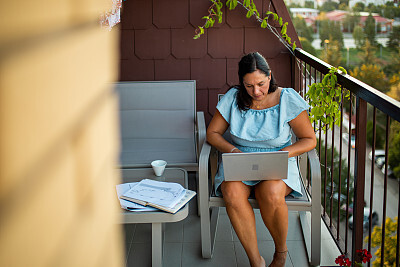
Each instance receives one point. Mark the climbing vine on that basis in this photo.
(215, 13)
(324, 97)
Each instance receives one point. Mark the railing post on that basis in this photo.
(359, 182)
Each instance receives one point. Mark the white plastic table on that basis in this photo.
(156, 218)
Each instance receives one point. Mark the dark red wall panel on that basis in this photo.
(157, 44)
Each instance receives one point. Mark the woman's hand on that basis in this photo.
(236, 150)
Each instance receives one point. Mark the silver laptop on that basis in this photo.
(255, 166)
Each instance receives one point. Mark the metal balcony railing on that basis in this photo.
(349, 184)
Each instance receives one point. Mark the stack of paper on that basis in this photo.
(128, 205)
(165, 196)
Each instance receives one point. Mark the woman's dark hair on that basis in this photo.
(249, 64)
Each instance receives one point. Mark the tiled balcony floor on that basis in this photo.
(182, 246)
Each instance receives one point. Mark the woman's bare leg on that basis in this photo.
(274, 212)
(242, 217)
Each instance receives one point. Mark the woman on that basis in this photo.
(260, 115)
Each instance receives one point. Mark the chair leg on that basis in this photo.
(208, 225)
(156, 244)
(312, 237)
(316, 240)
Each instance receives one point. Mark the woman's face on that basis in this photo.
(257, 84)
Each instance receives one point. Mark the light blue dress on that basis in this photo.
(263, 130)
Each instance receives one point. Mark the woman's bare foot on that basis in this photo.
(261, 263)
(279, 259)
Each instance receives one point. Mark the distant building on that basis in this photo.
(308, 14)
(317, 3)
(367, 2)
(304, 12)
(383, 25)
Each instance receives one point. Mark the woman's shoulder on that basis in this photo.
(230, 95)
(288, 90)
(232, 91)
(292, 103)
(291, 94)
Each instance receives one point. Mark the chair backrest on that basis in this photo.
(157, 120)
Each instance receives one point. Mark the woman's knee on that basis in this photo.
(271, 192)
(235, 193)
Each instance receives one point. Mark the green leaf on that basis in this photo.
(333, 82)
(325, 79)
(246, 3)
(201, 30)
(276, 17)
(254, 9)
(232, 4)
(212, 21)
(280, 21)
(294, 45)
(284, 27)
(328, 98)
(219, 15)
(249, 14)
(342, 69)
(264, 24)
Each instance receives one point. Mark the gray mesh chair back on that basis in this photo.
(158, 121)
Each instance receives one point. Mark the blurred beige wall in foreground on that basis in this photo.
(58, 135)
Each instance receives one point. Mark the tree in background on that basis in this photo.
(380, 132)
(307, 46)
(344, 2)
(369, 29)
(394, 39)
(372, 75)
(302, 29)
(330, 30)
(373, 8)
(329, 6)
(394, 147)
(394, 141)
(332, 189)
(343, 6)
(390, 243)
(390, 11)
(309, 4)
(332, 53)
(395, 89)
(305, 34)
(359, 36)
(393, 67)
(351, 21)
(367, 54)
(359, 7)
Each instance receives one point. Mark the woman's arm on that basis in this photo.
(215, 130)
(303, 130)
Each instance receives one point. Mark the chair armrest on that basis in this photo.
(203, 190)
(201, 129)
(315, 170)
